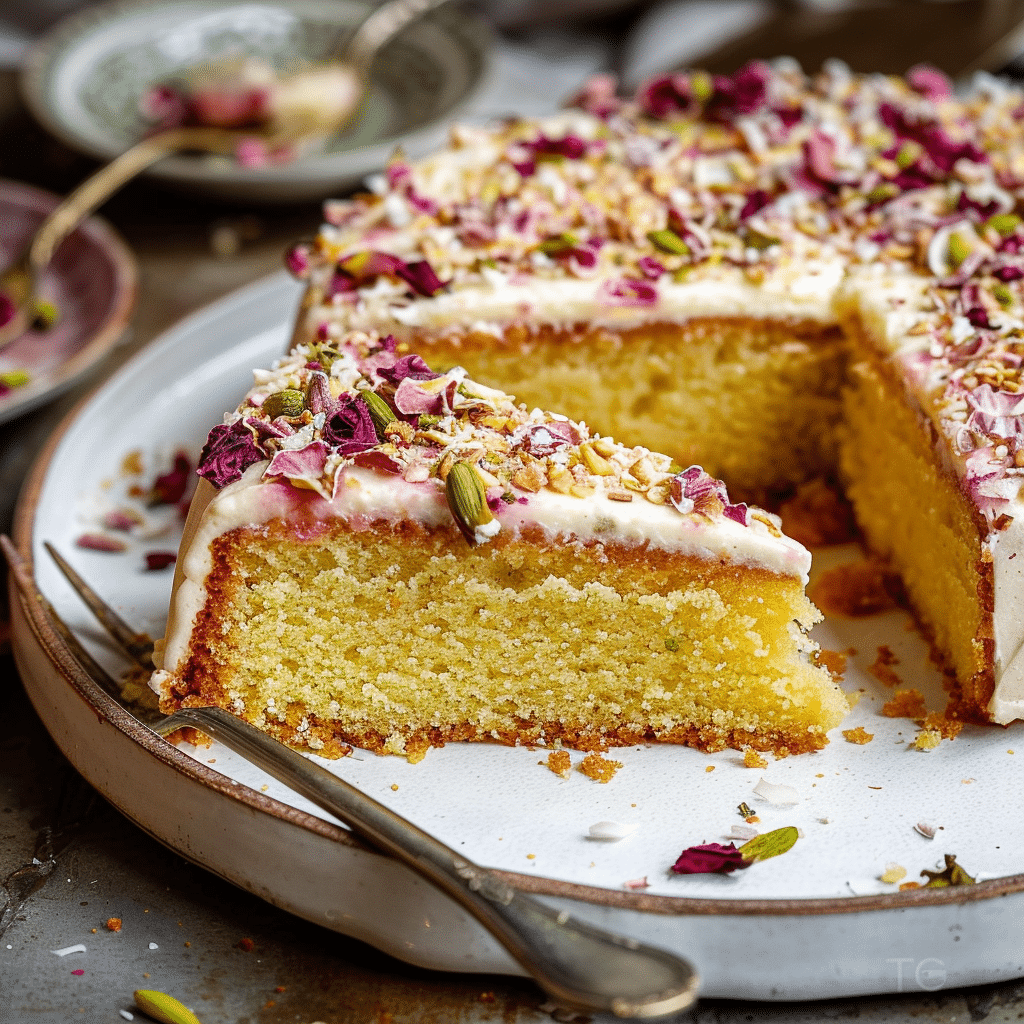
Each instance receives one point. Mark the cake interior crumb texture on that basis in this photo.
(755, 402)
(397, 639)
(917, 519)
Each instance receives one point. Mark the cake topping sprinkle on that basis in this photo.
(369, 404)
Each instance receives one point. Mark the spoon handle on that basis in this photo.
(581, 967)
(19, 282)
(361, 46)
(102, 184)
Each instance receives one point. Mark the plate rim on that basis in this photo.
(44, 55)
(61, 658)
(125, 297)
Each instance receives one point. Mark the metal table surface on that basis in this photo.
(69, 861)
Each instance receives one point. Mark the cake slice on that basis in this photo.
(387, 557)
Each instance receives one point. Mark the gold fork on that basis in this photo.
(580, 967)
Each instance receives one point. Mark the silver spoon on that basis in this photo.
(343, 75)
(580, 967)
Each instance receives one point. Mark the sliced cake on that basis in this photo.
(705, 268)
(383, 556)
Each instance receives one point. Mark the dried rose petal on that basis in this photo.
(164, 105)
(942, 150)
(930, 82)
(995, 413)
(547, 438)
(737, 513)
(421, 278)
(710, 859)
(304, 464)
(377, 460)
(252, 152)
(650, 267)
(637, 883)
(755, 202)
(7, 309)
(296, 259)
(693, 490)
(228, 453)
(230, 108)
(99, 542)
(524, 155)
(169, 488)
(411, 366)
(741, 93)
(122, 519)
(599, 96)
(628, 291)
(350, 428)
(666, 95)
(156, 560)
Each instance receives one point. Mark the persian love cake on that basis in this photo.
(384, 556)
(706, 268)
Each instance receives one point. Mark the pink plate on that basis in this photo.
(92, 282)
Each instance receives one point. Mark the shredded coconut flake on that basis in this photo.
(611, 831)
(78, 948)
(775, 793)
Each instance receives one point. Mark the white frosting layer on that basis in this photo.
(1007, 548)
(493, 304)
(365, 496)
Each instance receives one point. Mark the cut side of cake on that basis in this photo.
(706, 268)
(933, 458)
(387, 557)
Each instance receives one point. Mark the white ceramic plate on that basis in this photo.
(814, 922)
(84, 78)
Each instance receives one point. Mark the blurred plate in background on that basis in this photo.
(83, 81)
(92, 283)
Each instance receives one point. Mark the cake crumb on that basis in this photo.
(113, 924)
(909, 885)
(927, 739)
(752, 759)
(833, 662)
(881, 667)
(854, 590)
(559, 763)
(905, 704)
(598, 768)
(818, 515)
(858, 735)
(893, 873)
(710, 768)
(945, 725)
(394, 787)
